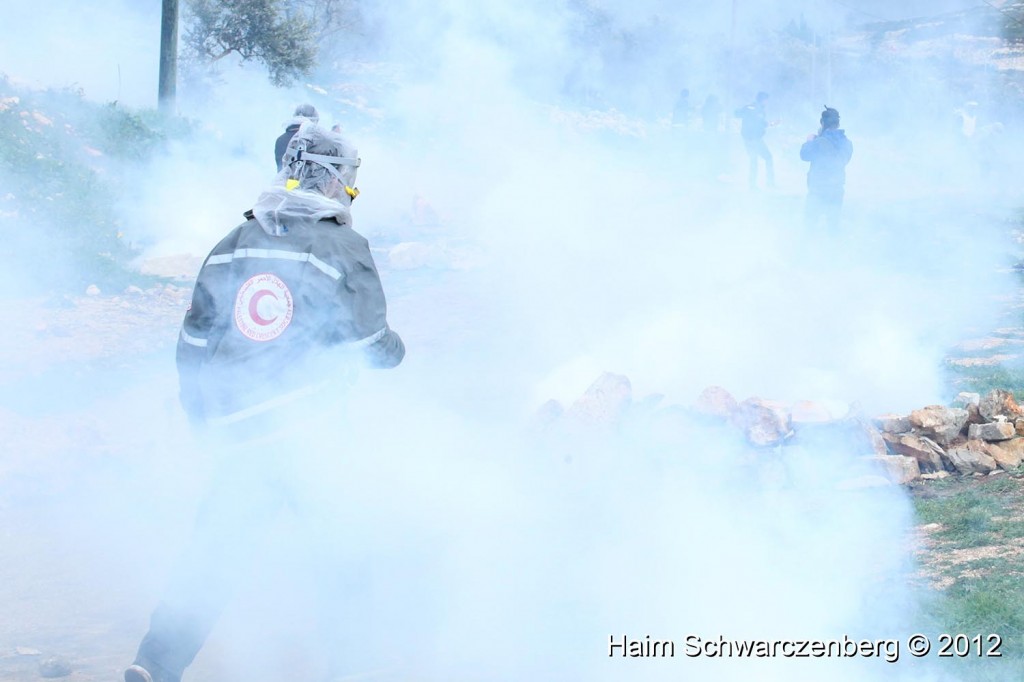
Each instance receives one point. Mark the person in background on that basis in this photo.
(682, 111)
(713, 144)
(753, 124)
(711, 114)
(828, 151)
(284, 309)
(303, 112)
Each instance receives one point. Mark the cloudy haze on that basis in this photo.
(590, 236)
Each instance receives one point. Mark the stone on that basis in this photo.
(547, 414)
(851, 436)
(1006, 457)
(54, 666)
(993, 431)
(413, 255)
(936, 476)
(892, 423)
(1019, 426)
(974, 415)
(1014, 446)
(763, 422)
(941, 424)
(1008, 454)
(183, 267)
(964, 399)
(648, 404)
(897, 468)
(999, 402)
(971, 458)
(809, 412)
(604, 402)
(715, 401)
(870, 436)
(927, 453)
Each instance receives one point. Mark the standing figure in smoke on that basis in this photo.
(828, 151)
(753, 124)
(284, 309)
(682, 111)
(303, 113)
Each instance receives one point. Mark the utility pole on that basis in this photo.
(731, 75)
(168, 56)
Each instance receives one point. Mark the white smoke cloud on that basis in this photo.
(473, 551)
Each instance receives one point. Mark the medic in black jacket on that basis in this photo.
(284, 302)
(285, 294)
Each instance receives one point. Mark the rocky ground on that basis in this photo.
(72, 360)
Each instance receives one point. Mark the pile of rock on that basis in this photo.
(978, 435)
(975, 436)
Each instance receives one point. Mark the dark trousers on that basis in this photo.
(257, 480)
(757, 149)
(242, 503)
(823, 208)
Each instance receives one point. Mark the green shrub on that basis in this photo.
(62, 162)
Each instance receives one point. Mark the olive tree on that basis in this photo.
(273, 33)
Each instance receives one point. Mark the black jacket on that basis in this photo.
(273, 316)
(828, 152)
(753, 121)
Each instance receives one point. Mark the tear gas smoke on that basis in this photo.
(602, 239)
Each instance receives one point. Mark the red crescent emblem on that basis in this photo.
(254, 307)
(277, 312)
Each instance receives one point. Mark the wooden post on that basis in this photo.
(168, 56)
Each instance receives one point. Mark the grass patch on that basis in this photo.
(64, 162)
(965, 516)
(977, 548)
(982, 379)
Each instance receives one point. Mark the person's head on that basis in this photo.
(307, 111)
(308, 161)
(829, 118)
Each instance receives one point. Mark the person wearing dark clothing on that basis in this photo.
(681, 112)
(711, 114)
(284, 309)
(303, 112)
(753, 124)
(829, 151)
